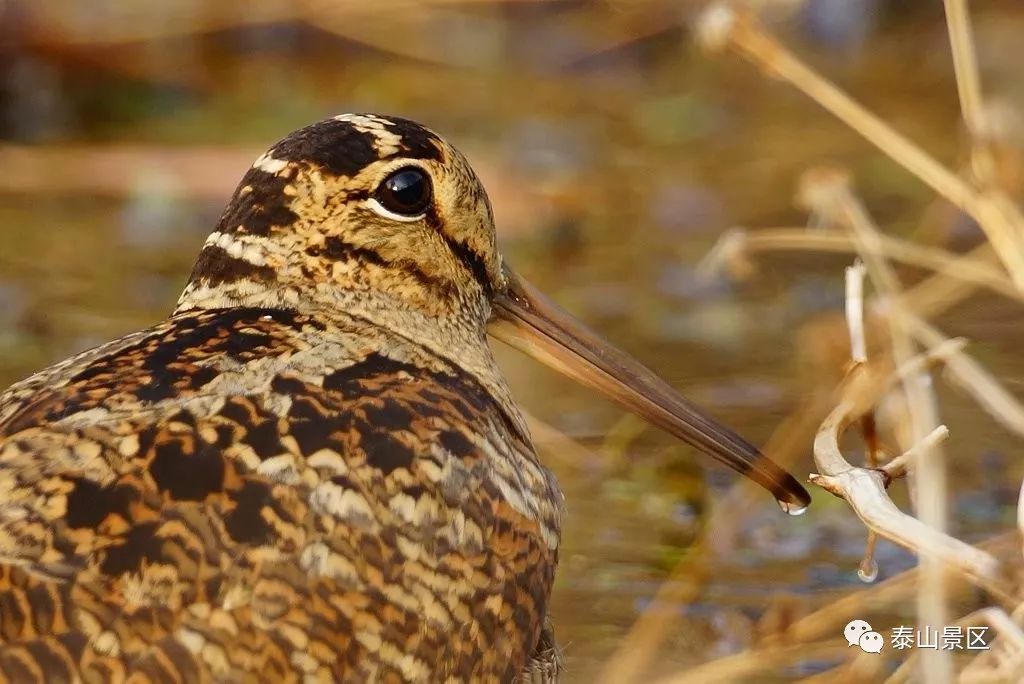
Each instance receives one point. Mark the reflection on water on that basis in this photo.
(612, 170)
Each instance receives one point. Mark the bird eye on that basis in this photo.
(405, 194)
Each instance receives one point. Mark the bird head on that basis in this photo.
(357, 203)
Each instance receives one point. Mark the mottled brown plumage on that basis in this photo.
(313, 469)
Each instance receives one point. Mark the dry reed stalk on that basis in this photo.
(900, 465)
(859, 668)
(972, 105)
(972, 378)
(965, 65)
(855, 312)
(1012, 644)
(938, 293)
(868, 568)
(902, 312)
(865, 489)
(828, 194)
(724, 26)
(829, 620)
(47, 20)
(748, 665)
(558, 446)
(1020, 516)
(735, 247)
(965, 373)
(822, 625)
(639, 646)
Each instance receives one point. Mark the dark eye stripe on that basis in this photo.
(472, 261)
(468, 257)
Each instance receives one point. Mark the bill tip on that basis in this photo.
(793, 507)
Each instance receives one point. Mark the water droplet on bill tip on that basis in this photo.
(792, 508)
(868, 571)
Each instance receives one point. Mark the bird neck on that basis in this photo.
(457, 335)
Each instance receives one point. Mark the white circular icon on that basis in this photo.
(871, 642)
(854, 630)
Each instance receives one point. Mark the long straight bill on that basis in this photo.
(527, 320)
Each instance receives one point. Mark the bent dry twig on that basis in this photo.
(865, 488)
(829, 194)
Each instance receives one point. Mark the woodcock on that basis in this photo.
(313, 469)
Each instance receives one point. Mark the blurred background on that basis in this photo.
(616, 153)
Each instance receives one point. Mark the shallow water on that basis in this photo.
(612, 172)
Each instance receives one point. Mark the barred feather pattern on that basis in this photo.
(247, 494)
(313, 470)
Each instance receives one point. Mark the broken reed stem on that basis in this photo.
(898, 467)
(868, 567)
(830, 194)
(725, 26)
(864, 489)
(855, 312)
